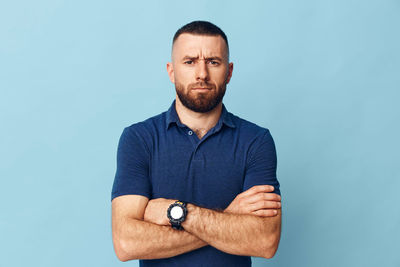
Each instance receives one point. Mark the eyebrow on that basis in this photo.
(207, 58)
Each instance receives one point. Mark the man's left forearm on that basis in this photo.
(238, 234)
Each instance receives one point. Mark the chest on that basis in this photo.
(209, 173)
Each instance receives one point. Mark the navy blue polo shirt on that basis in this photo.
(163, 158)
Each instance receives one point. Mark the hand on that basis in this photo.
(156, 211)
(257, 200)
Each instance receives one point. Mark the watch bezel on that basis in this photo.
(176, 223)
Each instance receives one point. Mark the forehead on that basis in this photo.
(199, 45)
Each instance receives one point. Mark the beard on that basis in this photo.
(202, 102)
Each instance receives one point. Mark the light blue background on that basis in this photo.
(323, 76)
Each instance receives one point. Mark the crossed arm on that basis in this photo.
(249, 226)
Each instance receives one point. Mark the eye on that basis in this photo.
(188, 62)
(213, 62)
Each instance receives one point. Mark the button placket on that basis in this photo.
(191, 136)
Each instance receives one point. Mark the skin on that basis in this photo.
(250, 225)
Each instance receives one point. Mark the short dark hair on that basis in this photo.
(201, 27)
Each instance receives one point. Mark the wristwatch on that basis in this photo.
(177, 214)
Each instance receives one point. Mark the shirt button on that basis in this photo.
(190, 133)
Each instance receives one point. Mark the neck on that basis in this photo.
(197, 121)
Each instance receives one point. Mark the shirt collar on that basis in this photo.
(172, 116)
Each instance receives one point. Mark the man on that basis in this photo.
(196, 185)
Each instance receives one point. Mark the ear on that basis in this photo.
(230, 70)
(170, 70)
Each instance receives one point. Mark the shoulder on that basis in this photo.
(145, 132)
(250, 130)
(257, 140)
(149, 126)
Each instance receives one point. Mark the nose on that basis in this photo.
(202, 71)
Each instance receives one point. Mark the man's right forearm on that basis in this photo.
(139, 239)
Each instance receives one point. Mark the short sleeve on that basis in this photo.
(261, 164)
(132, 174)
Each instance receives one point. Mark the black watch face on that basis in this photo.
(176, 212)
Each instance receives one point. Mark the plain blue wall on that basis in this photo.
(323, 76)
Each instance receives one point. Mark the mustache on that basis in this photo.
(201, 85)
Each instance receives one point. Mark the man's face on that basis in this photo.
(200, 70)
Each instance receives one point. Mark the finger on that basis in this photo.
(265, 213)
(257, 189)
(265, 205)
(260, 197)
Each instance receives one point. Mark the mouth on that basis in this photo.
(201, 88)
